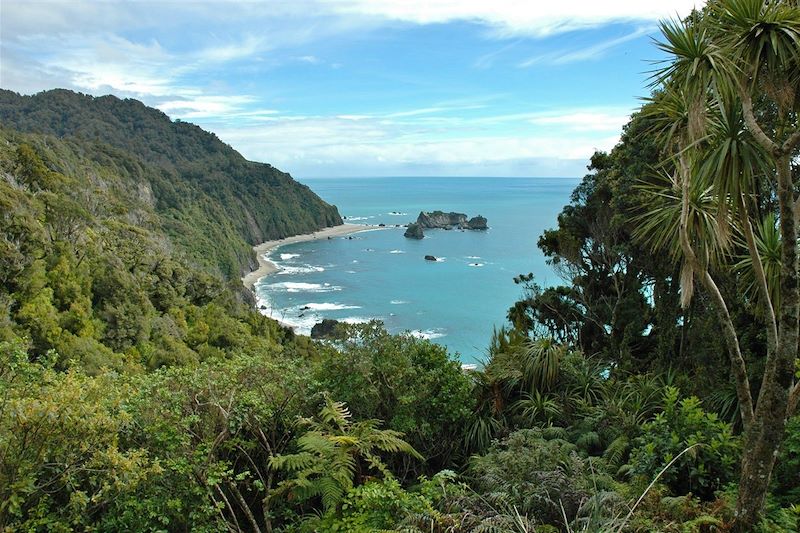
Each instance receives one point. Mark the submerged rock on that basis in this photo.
(325, 329)
(430, 258)
(414, 231)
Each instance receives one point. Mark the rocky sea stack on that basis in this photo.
(478, 223)
(442, 220)
(414, 231)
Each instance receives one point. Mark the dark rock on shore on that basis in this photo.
(325, 329)
(414, 231)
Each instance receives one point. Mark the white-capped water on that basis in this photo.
(456, 301)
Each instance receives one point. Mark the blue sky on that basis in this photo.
(359, 87)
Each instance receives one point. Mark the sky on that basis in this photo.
(333, 88)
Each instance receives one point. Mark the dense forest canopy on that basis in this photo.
(655, 390)
(213, 204)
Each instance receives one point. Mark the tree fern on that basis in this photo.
(333, 451)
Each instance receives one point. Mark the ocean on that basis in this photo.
(455, 301)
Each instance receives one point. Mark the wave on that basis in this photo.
(398, 302)
(397, 252)
(357, 320)
(285, 257)
(349, 219)
(397, 214)
(289, 317)
(473, 257)
(307, 269)
(350, 271)
(292, 286)
(427, 334)
(440, 259)
(327, 307)
(476, 264)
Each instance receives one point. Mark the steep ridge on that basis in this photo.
(212, 202)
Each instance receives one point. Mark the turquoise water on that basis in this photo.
(380, 274)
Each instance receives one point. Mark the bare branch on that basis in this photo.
(752, 124)
(791, 143)
(243, 504)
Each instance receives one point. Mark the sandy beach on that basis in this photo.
(267, 267)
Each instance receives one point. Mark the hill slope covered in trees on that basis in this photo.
(210, 201)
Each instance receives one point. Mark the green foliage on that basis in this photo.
(61, 461)
(683, 424)
(211, 202)
(336, 454)
(536, 476)
(786, 479)
(414, 385)
(379, 505)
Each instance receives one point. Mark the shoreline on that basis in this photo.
(266, 267)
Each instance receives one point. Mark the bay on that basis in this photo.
(456, 301)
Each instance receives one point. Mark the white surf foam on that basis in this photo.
(398, 302)
(427, 334)
(285, 257)
(397, 214)
(397, 252)
(357, 320)
(473, 257)
(476, 264)
(292, 286)
(306, 269)
(328, 306)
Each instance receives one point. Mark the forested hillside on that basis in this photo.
(655, 390)
(211, 202)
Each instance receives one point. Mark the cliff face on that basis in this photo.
(211, 201)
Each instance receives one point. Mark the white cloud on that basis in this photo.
(515, 17)
(387, 144)
(91, 46)
(232, 51)
(584, 120)
(595, 51)
(205, 106)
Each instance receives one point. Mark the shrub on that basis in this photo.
(709, 464)
(536, 476)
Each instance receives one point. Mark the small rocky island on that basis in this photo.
(442, 220)
(414, 231)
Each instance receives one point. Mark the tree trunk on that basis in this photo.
(765, 437)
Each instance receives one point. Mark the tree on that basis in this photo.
(728, 105)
